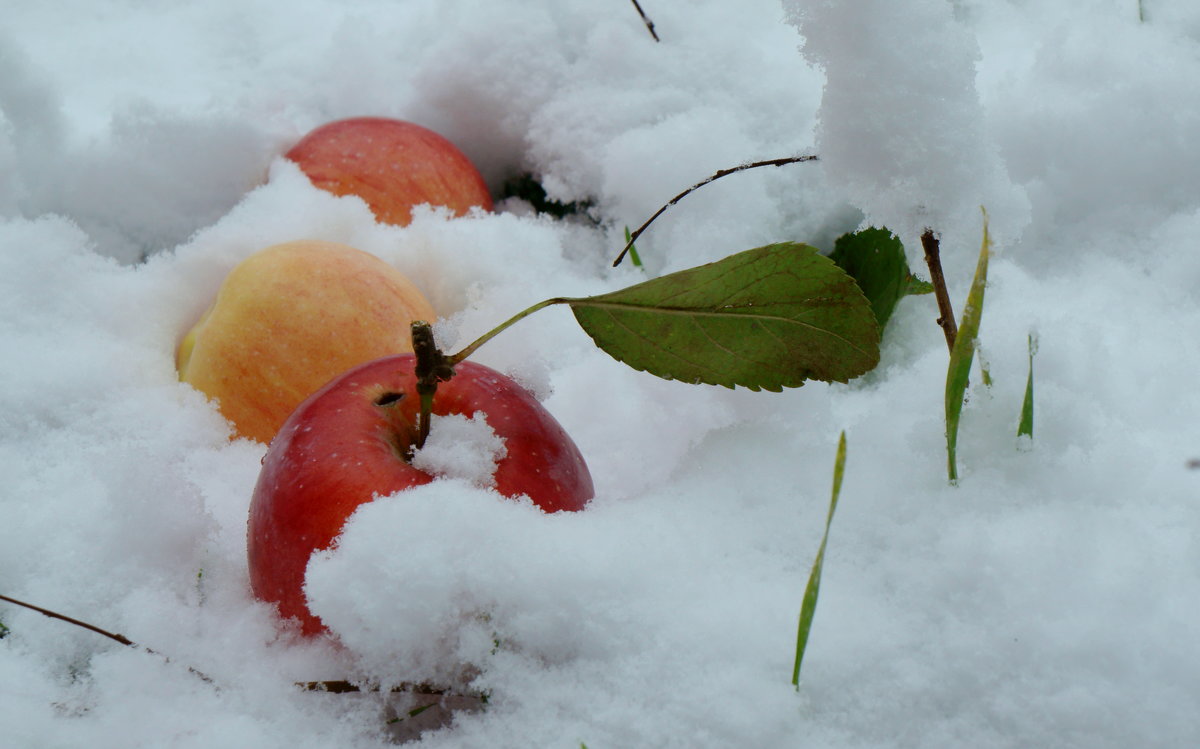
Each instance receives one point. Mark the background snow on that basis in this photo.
(1050, 599)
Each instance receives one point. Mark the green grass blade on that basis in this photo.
(809, 607)
(633, 253)
(964, 353)
(1025, 427)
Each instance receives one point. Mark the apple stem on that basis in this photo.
(432, 367)
(456, 358)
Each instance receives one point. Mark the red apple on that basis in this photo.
(349, 442)
(393, 165)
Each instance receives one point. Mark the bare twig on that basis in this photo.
(933, 258)
(55, 615)
(646, 20)
(335, 687)
(722, 173)
(342, 686)
(115, 637)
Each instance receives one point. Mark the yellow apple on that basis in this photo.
(290, 318)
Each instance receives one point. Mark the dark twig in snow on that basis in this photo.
(933, 258)
(93, 628)
(347, 687)
(336, 687)
(647, 21)
(723, 173)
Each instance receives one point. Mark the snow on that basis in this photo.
(461, 447)
(1050, 599)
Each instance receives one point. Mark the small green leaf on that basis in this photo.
(765, 319)
(1025, 427)
(917, 286)
(875, 259)
(808, 608)
(963, 353)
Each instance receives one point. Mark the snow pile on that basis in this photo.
(901, 130)
(1048, 600)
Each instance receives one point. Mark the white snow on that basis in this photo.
(1050, 599)
(461, 447)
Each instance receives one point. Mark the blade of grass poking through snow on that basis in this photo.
(764, 319)
(633, 253)
(963, 353)
(1025, 426)
(809, 607)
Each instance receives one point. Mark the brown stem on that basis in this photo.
(933, 258)
(336, 687)
(93, 628)
(722, 173)
(647, 21)
(432, 367)
(341, 686)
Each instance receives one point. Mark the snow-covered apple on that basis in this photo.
(288, 319)
(392, 165)
(352, 441)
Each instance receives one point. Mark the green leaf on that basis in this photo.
(766, 318)
(917, 286)
(808, 608)
(875, 259)
(1025, 427)
(963, 353)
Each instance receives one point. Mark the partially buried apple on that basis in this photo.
(352, 441)
(290, 318)
(392, 165)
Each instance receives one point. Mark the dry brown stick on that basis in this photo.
(63, 617)
(342, 686)
(336, 687)
(93, 628)
(647, 21)
(722, 173)
(933, 258)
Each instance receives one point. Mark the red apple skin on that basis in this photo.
(393, 165)
(343, 446)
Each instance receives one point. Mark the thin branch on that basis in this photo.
(646, 20)
(933, 258)
(55, 615)
(115, 637)
(342, 686)
(335, 687)
(722, 173)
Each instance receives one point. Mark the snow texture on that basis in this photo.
(1050, 599)
(461, 447)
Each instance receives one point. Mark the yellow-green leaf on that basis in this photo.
(963, 354)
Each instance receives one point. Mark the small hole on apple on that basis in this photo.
(388, 399)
